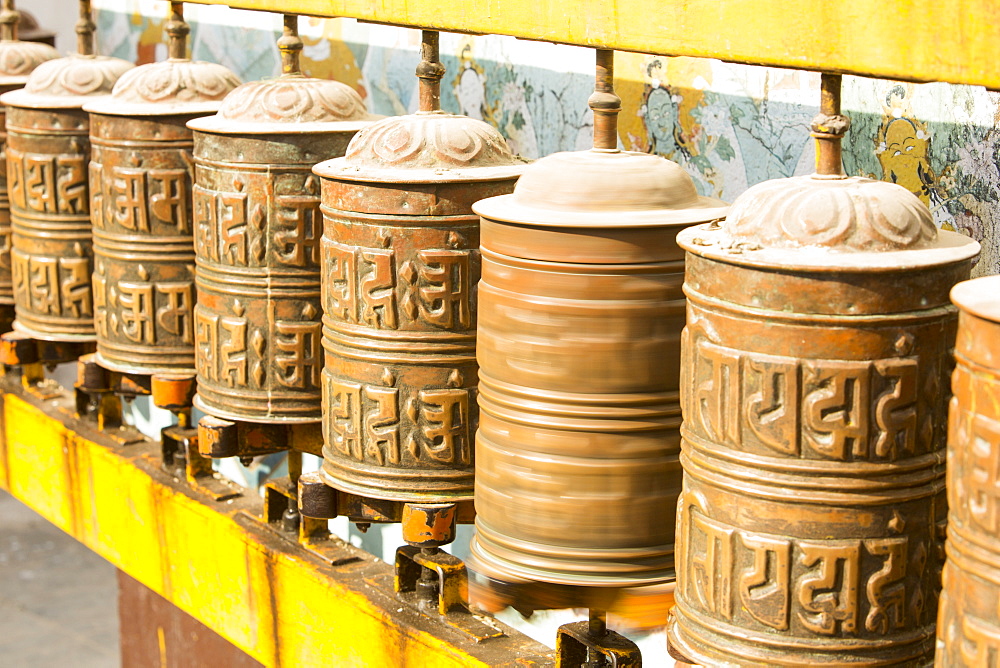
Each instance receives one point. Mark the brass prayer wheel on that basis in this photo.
(580, 315)
(815, 385)
(257, 229)
(48, 152)
(400, 257)
(140, 182)
(968, 631)
(17, 60)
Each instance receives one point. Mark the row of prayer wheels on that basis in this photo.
(740, 408)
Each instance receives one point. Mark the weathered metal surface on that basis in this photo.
(968, 631)
(140, 182)
(400, 263)
(257, 231)
(939, 43)
(48, 152)
(815, 364)
(17, 60)
(580, 315)
(248, 581)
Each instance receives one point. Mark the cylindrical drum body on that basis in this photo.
(48, 152)
(140, 180)
(400, 257)
(257, 228)
(815, 384)
(580, 316)
(17, 61)
(968, 632)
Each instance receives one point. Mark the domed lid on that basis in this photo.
(289, 104)
(425, 147)
(827, 221)
(171, 87)
(69, 82)
(19, 59)
(979, 296)
(823, 223)
(607, 188)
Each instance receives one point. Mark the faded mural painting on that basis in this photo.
(730, 126)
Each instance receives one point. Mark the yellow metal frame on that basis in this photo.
(262, 591)
(913, 40)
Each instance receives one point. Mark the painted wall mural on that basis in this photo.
(730, 126)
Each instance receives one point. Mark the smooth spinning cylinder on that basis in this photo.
(815, 389)
(968, 632)
(580, 317)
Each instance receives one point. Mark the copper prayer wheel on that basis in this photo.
(140, 182)
(48, 152)
(815, 386)
(400, 257)
(968, 631)
(580, 315)
(257, 229)
(17, 60)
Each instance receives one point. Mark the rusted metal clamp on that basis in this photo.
(577, 643)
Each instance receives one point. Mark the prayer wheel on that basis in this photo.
(815, 386)
(140, 182)
(257, 228)
(400, 258)
(17, 60)
(580, 315)
(968, 631)
(48, 152)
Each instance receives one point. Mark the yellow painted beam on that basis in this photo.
(914, 40)
(258, 589)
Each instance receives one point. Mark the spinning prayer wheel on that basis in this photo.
(17, 60)
(580, 315)
(400, 258)
(140, 182)
(257, 229)
(48, 153)
(815, 386)
(968, 631)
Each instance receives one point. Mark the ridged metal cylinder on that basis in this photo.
(400, 256)
(17, 61)
(815, 385)
(257, 231)
(580, 316)
(968, 632)
(141, 180)
(48, 153)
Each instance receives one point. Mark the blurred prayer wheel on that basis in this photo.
(140, 180)
(968, 631)
(580, 314)
(815, 386)
(257, 229)
(17, 60)
(48, 152)
(400, 257)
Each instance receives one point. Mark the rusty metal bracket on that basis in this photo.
(450, 589)
(179, 448)
(230, 438)
(575, 642)
(282, 515)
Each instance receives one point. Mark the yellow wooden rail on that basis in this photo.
(257, 588)
(915, 40)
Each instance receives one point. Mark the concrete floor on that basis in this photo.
(58, 600)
